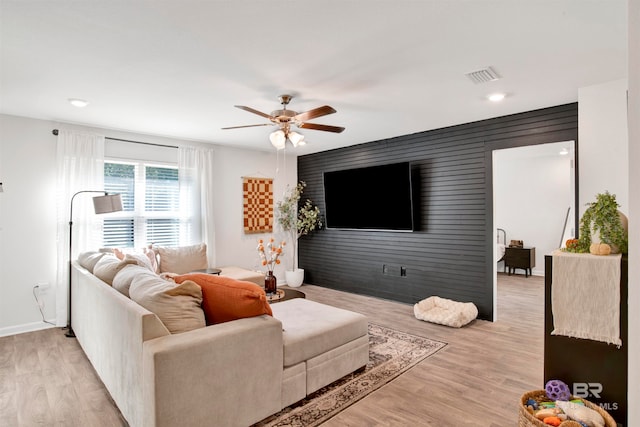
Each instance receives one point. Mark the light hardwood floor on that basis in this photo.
(477, 380)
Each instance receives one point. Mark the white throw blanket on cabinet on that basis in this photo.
(585, 296)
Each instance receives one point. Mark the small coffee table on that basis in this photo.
(208, 271)
(284, 294)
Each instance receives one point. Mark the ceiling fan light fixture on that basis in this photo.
(285, 119)
(278, 139)
(295, 138)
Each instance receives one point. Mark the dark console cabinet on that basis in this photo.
(595, 370)
(524, 258)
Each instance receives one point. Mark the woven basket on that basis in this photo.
(525, 419)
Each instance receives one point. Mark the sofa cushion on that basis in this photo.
(243, 274)
(177, 306)
(183, 259)
(226, 299)
(123, 279)
(108, 266)
(89, 259)
(311, 328)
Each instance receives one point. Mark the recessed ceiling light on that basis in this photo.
(496, 97)
(564, 152)
(80, 103)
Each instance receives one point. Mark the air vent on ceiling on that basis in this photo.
(483, 76)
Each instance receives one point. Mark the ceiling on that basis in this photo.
(389, 67)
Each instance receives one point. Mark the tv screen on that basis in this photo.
(374, 198)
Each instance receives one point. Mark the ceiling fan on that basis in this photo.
(286, 118)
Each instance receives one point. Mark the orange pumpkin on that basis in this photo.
(572, 243)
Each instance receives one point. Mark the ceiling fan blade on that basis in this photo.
(325, 128)
(251, 110)
(312, 114)
(248, 126)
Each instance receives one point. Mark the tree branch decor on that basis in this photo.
(297, 220)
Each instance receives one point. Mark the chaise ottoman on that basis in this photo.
(321, 345)
(243, 274)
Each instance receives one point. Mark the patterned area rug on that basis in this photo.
(391, 353)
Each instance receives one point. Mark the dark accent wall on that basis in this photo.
(451, 252)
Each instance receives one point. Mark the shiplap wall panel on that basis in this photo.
(450, 253)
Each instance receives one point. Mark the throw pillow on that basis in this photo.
(140, 259)
(89, 259)
(153, 258)
(123, 279)
(225, 299)
(118, 253)
(183, 259)
(108, 266)
(177, 306)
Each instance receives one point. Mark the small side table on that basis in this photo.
(524, 258)
(208, 271)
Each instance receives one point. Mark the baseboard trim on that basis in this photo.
(27, 327)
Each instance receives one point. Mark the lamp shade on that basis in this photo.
(107, 203)
(278, 139)
(295, 138)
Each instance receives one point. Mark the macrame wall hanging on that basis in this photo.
(257, 195)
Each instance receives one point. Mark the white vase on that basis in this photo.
(595, 234)
(294, 278)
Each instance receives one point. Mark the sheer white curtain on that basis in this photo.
(195, 174)
(80, 159)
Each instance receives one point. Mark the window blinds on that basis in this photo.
(150, 198)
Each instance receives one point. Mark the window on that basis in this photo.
(150, 202)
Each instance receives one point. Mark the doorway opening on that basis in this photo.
(534, 205)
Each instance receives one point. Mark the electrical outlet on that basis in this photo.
(390, 270)
(403, 271)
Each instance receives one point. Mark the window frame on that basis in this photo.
(139, 215)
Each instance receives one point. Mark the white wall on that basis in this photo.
(233, 247)
(27, 221)
(532, 191)
(608, 159)
(603, 144)
(28, 211)
(634, 213)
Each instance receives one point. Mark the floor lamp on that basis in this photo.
(106, 203)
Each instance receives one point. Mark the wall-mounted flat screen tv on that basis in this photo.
(371, 198)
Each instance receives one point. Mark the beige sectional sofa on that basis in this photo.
(229, 374)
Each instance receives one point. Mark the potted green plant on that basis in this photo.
(297, 221)
(602, 222)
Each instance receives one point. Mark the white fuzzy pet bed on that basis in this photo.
(445, 311)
